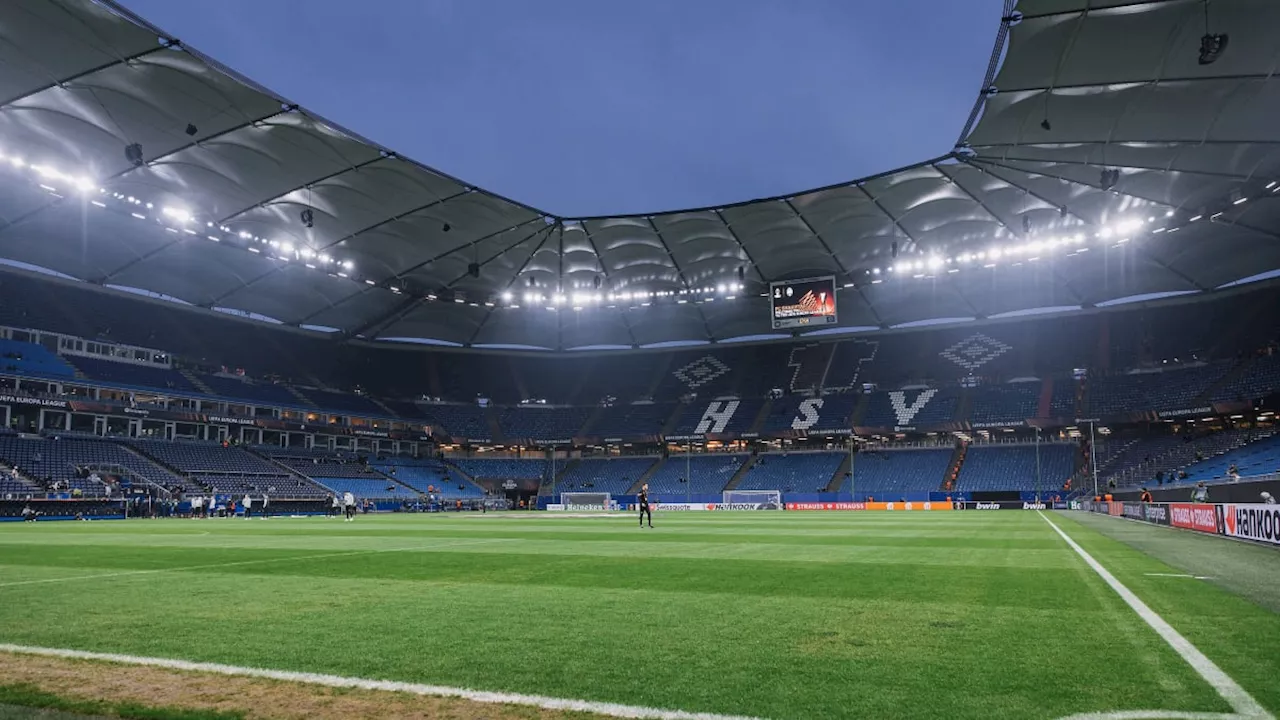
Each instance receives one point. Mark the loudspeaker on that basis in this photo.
(133, 153)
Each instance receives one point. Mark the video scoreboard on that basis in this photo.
(798, 303)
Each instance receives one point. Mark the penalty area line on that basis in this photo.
(1237, 697)
(338, 681)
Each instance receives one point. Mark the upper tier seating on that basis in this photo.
(343, 402)
(460, 421)
(235, 388)
(34, 360)
(1014, 467)
(620, 421)
(157, 377)
(1009, 403)
(742, 414)
(706, 474)
(612, 475)
(792, 472)
(1063, 402)
(542, 422)
(1172, 389)
(918, 407)
(887, 474)
(830, 412)
(1259, 379)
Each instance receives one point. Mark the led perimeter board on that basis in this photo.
(799, 303)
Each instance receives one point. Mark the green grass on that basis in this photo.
(964, 615)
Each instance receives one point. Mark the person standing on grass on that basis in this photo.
(643, 501)
(248, 506)
(196, 502)
(333, 505)
(265, 512)
(349, 502)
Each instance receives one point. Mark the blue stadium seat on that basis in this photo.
(792, 472)
(140, 376)
(890, 473)
(32, 360)
(706, 474)
(611, 475)
(1014, 467)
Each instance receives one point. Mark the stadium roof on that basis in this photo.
(1102, 161)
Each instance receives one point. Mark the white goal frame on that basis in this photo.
(597, 501)
(763, 498)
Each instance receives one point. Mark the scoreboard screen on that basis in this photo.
(803, 302)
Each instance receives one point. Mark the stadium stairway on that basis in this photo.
(302, 399)
(1045, 402)
(954, 467)
(157, 461)
(552, 483)
(635, 487)
(491, 422)
(765, 408)
(860, 409)
(390, 413)
(833, 485)
(285, 469)
(196, 381)
(674, 420)
(742, 471)
(591, 421)
(964, 405)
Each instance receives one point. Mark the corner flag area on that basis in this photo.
(764, 615)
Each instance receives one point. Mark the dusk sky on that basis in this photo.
(586, 107)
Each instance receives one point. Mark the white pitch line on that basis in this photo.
(211, 566)
(1178, 575)
(1237, 697)
(338, 681)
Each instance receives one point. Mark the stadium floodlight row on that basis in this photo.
(986, 226)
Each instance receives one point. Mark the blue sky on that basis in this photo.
(585, 107)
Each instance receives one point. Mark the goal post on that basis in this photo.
(586, 501)
(752, 499)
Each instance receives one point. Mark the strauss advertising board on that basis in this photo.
(1203, 518)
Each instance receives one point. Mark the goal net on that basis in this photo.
(752, 499)
(586, 501)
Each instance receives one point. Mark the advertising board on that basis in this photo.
(1194, 517)
(1257, 522)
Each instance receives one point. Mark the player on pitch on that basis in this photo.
(643, 501)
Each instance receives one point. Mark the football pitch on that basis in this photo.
(766, 614)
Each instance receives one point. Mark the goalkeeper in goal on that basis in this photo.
(642, 500)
